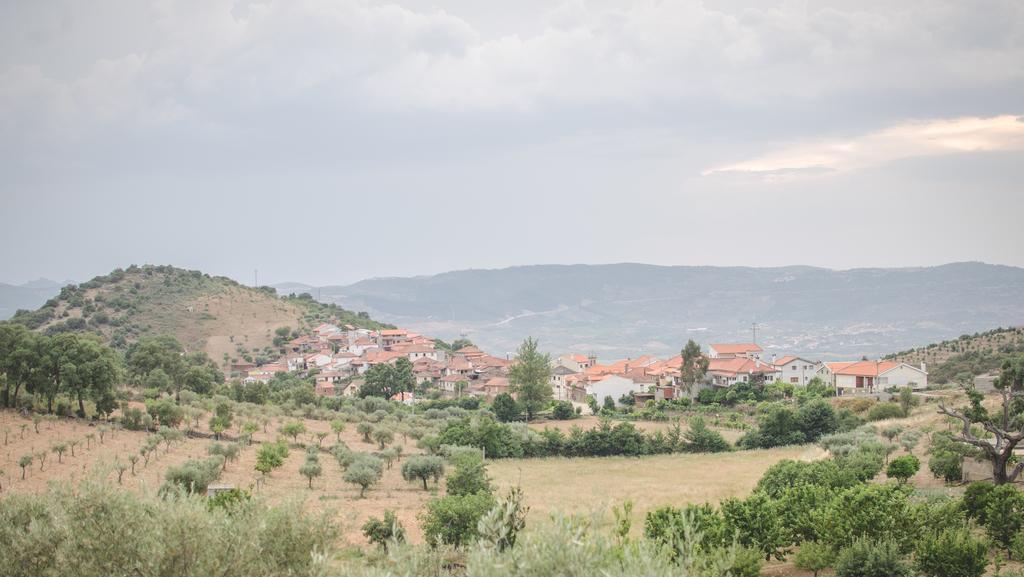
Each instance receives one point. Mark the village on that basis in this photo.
(336, 357)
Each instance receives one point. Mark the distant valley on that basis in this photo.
(618, 310)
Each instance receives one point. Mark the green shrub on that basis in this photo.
(885, 411)
(423, 467)
(813, 556)
(872, 559)
(453, 520)
(563, 411)
(1004, 516)
(976, 498)
(383, 531)
(903, 468)
(951, 554)
(700, 439)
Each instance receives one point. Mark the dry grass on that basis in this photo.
(591, 484)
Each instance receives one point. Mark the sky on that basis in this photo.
(327, 141)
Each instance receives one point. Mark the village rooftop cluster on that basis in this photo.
(338, 356)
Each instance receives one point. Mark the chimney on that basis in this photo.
(923, 368)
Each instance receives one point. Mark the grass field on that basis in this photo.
(594, 484)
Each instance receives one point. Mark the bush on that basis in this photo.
(700, 439)
(1004, 516)
(951, 554)
(453, 520)
(109, 532)
(946, 465)
(384, 531)
(885, 411)
(563, 411)
(976, 498)
(903, 468)
(505, 408)
(872, 559)
(469, 476)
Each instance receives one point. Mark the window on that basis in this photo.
(794, 380)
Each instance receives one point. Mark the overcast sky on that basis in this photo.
(326, 141)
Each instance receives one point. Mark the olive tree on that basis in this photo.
(423, 467)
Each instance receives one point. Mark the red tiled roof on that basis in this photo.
(736, 348)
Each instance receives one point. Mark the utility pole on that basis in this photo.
(753, 328)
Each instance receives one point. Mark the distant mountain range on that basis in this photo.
(621, 310)
(28, 296)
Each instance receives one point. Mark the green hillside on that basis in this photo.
(974, 354)
(210, 313)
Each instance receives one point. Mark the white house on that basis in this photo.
(729, 371)
(868, 377)
(613, 386)
(796, 370)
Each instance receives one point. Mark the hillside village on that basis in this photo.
(337, 356)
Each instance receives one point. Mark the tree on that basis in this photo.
(293, 430)
(364, 473)
(311, 468)
(872, 559)
(951, 553)
(59, 449)
(903, 468)
(383, 437)
(563, 411)
(384, 531)
(694, 366)
(453, 520)
(1005, 429)
(530, 378)
(18, 360)
(813, 556)
(755, 522)
(700, 439)
(1004, 516)
(338, 426)
(365, 429)
(469, 476)
(385, 380)
(270, 456)
(907, 400)
(500, 527)
(151, 353)
(423, 467)
(24, 462)
(221, 419)
(505, 408)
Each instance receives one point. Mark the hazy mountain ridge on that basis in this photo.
(623, 309)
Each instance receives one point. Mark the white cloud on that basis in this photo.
(192, 57)
(905, 140)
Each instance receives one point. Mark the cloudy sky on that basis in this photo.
(325, 141)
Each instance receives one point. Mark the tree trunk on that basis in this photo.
(999, 476)
(424, 483)
(81, 405)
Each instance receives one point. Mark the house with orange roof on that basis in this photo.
(453, 384)
(389, 337)
(470, 352)
(796, 370)
(734, 350)
(326, 381)
(869, 377)
(729, 371)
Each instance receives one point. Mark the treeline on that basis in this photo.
(76, 366)
(515, 440)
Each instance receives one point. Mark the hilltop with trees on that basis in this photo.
(210, 314)
(967, 356)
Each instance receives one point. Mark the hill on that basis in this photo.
(209, 313)
(30, 295)
(621, 310)
(976, 354)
